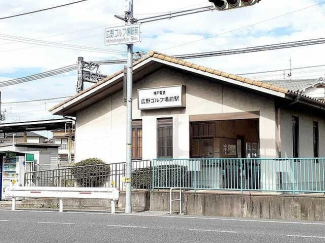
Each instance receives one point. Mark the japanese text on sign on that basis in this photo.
(122, 35)
(161, 98)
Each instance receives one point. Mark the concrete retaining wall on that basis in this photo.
(140, 202)
(257, 205)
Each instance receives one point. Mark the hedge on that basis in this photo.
(91, 172)
(165, 176)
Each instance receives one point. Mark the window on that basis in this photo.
(64, 144)
(316, 139)
(137, 139)
(295, 136)
(165, 138)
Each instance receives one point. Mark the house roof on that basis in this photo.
(295, 84)
(96, 92)
(39, 125)
(21, 134)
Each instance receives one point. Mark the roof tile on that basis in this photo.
(187, 64)
(202, 68)
(232, 76)
(249, 81)
(217, 72)
(257, 83)
(153, 54)
(209, 70)
(224, 74)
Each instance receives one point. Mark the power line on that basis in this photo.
(281, 70)
(284, 45)
(246, 26)
(47, 74)
(32, 101)
(41, 10)
(183, 56)
(57, 44)
(252, 49)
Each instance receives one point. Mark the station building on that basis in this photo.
(183, 110)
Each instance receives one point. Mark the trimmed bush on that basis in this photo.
(165, 176)
(91, 172)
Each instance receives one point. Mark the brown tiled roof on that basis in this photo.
(189, 65)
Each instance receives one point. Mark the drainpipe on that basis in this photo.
(279, 141)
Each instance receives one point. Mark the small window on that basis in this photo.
(295, 136)
(137, 140)
(316, 139)
(64, 144)
(165, 138)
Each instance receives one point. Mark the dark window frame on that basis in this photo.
(295, 137)
(165, 138)
(136, 149)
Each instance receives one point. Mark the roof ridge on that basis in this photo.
(171, 59)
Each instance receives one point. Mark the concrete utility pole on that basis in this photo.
(0, 109)
(129, 82)
(80, 84)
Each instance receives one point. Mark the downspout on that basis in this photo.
(279, 141)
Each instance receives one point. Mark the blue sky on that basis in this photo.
(84, 25)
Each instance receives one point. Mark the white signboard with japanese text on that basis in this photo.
(160, 98)
(127, 34)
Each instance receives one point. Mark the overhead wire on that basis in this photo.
(57, 44)
(34, 101)
(278, 46)
(33, 77)
(42, 10)
(246, 26)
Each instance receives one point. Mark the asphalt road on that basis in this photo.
(32, 226)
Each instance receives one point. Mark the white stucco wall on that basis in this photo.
(306, 119)
(101, 129)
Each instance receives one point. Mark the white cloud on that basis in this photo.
(160, 36)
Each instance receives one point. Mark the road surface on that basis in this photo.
(41, 226)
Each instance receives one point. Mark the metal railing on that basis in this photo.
(303, 175)
(107, 175)
(273, 175)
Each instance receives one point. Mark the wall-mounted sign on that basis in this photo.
(163, 97)
(127, 34)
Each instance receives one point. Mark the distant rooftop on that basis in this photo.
(294, 84)
(21, 134)
(40, 125)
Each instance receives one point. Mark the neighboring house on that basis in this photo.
(314, 88)
(20, 137)
(183, 110)
(66, 149)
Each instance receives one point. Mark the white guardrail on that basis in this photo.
(111, 194)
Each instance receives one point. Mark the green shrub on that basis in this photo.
(165, 176)
(91, 172)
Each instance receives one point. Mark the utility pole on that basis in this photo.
(0, 109)
(129, 84)
(80, 84)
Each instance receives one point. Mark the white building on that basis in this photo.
(183, 110)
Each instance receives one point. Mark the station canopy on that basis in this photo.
(42, 125)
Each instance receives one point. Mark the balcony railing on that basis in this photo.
(63, 147)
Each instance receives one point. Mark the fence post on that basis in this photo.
(153, 175)
(196, 164)
(13, 203)
(241, 176)
(60, 205)
(294, 176)
(53, 178)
